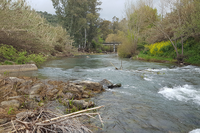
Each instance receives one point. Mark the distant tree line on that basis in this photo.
(178, 23)
(52, 19)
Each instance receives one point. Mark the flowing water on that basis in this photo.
(154, 97)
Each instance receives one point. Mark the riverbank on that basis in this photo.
(22, 94)
(148, 58)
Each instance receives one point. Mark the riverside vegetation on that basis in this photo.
(26, 36)
(171, 35)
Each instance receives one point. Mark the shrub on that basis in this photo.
(9, 53)
(126, 49)
(158, 48)
(25, 29)
(37, 58)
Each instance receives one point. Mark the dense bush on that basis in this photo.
(25, 29)
(166, 50)
(158, 48)
(10, 55)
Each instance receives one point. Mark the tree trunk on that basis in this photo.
(85, 38)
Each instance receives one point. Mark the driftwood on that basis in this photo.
(116, 67)
(43, 121)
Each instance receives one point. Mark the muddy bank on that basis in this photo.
(17, 68)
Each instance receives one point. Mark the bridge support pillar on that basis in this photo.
(114, 47)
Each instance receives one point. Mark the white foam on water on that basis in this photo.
(122, 92)
(195, 131)
(148, 78)
(181, 93)
(157, 70)
(197, 69)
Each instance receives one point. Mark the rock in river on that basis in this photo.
(106, 83)
(115, 86)
(89, 85)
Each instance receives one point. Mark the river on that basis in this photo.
(154, 97)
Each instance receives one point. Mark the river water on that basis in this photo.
(154, 97)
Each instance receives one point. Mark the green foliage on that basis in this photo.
(25, 29)
(79, 17)
(52, 19)
(74, 109)
(37, 58)
(192, 52)
(154, 58)
(159, 48)
(9, 53)
(8, 63)
(10, 110)
(106, 48)
(165, 51)
(71, 102)
(6, 73)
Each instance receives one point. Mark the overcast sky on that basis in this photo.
(110, 8)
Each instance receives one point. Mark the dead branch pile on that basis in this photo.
(45, 121)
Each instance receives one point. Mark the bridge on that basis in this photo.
(114, 44)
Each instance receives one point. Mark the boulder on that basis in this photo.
(85, 96)
(115, 86)
(11, 103)
(73, 88)
(51, 93)
(14, 79)
(34, 90)
(69, 96)
(37, 98)
(81, 104)
(32, 105)
(89, 85)
(3, 121)
(105, 83)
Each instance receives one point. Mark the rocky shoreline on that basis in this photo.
(19, 94)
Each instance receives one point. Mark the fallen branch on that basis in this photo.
(14, 126)
(70, 117)
(65, 123)
(114, 66)
(82, 111)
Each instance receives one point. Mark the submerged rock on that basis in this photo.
(115, 86)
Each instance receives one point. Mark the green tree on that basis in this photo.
(52, 19)
(105, 28)
(79, 17)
